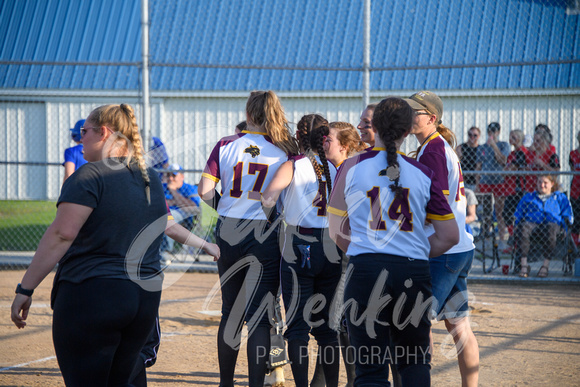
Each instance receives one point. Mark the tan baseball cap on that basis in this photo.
(426, 100)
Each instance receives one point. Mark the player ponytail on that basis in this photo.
(265, 111)
(447, 134)
(393, 118)
(120, 119)
(317, 138)
(305, 129)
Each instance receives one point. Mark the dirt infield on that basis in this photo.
(528, 335)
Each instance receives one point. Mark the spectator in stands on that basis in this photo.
(546, 208)
(182, 198)
(467, 153)
(574, 161)
(73, 156)
(545, 128)
(543, 154)
(492, 156)
(515, 185)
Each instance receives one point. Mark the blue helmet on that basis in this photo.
(75, 132)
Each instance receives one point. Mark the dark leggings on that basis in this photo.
(547, 232)
(249, 269)
(99, 327)
(303, 282)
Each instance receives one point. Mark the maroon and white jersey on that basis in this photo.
(437, 154)
(245, 163)
(380, 222)
(302, 199)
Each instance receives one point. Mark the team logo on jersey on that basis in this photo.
(252, 150)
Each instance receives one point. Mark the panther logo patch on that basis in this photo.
(252, 150)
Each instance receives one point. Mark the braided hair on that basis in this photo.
(311, 130)
(121, 120)
(393, 118)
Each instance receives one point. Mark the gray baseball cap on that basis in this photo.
(426, 100)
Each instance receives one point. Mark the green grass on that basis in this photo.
(208, 220)
(22, 223)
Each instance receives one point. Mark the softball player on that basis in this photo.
(312, 263)
(377, 211)
(448, 271)
(250, 258)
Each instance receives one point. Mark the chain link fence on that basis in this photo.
(511, 67)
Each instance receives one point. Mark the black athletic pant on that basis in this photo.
(249, 269)
(99, 328)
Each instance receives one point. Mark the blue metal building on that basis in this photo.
(512, 61)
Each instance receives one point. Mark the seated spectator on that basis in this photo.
(182, 198)
(547, 208)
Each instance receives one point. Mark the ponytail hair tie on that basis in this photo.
(393, 172)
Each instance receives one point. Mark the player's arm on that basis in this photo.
(281, 180)
(69, 168)
(54, 244)
(182, 235)
(470, 214)
(339, 229)
(445, 237)
(206, 188)
(209, 179)
(337, 210)
(478, 176)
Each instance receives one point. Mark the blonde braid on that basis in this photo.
(136, 150)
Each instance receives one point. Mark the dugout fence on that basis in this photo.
(23, 223)
(511, 62)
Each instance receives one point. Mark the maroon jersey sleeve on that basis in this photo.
(437, 162)
(212, 167)
(437, 206)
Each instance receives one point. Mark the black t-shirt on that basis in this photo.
(116, 192)
(468, 162)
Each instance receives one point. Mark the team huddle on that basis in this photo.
(364, 245)
(368, 234)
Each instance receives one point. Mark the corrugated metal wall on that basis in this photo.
(190, 127)
(419, 44)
